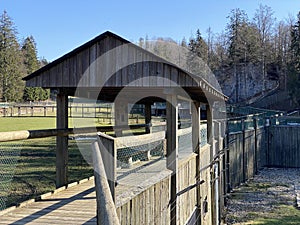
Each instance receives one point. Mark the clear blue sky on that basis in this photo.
(59, 26)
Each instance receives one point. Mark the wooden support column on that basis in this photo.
(172, 154)
(196, 140)
(196, 137)
(210, 130)
(121, 115)
(256, 165)
(211, 141)
(148, 128)
(61, 141)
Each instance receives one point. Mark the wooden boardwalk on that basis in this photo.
(75, 205)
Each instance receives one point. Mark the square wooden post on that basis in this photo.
(121, 115)
(196, 137)
(210, 130)
(61, 141)
(196, 140)
(107, 148)
(148, 128)
(172, 154)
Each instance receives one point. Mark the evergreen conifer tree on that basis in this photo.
(11, 69)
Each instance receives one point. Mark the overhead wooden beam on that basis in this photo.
(61, 141)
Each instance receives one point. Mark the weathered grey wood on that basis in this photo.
(210, 130)
(31, 134)
(62, 141)
(172, 153)
(284, 148)
(121, 114)
(148, 128)
(196, 137)
(108, 150)
(131, 141)
(119, 64)
(106, 210)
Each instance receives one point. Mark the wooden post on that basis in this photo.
(227, 159)
(172, 154)
(148, 128)
(196, 127)
(210, 130)
(61, 141)
(255, 146)
(243, 150)
(108, 153)
(196, 140)
(106, 209)
(121, 115)
(82, 111)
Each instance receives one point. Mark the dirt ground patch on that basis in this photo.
(268, 198)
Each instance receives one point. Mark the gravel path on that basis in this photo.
(269, 196)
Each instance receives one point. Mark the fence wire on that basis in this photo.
(28, 168)
(8, 163)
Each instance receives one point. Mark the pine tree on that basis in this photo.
(32, 64)
(11, 69)
(294, 68)
(199, 47)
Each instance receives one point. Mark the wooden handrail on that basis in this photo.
(30, 134)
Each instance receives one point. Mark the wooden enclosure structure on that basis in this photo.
(112, 69)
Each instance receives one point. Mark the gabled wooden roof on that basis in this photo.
(109, 61)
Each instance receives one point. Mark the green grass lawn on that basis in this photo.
(28, 167)
(26, 123)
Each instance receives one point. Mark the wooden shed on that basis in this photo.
(113, 69)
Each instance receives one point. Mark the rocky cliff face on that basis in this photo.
(248, 82)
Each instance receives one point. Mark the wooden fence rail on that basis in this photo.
(30, 134)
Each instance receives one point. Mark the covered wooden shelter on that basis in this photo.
(111, 68)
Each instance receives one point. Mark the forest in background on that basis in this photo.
(263, 44)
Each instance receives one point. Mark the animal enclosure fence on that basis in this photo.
(142, 179)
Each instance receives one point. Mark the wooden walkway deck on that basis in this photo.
(75, 205)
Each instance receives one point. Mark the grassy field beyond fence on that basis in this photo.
(28, 167)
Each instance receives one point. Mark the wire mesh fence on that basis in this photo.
(28, 168)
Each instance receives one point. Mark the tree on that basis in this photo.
(32, 64)
(11, 69)
(281, 54)
(294, 68)
(264, 21)
(238, 20)
(199, 47)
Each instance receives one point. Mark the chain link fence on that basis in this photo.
(28, 168)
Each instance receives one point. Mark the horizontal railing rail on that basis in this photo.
(30, 134)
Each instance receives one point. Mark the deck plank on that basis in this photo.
(75, 205)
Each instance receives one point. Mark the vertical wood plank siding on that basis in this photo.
(284, 146)
(140, 65)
